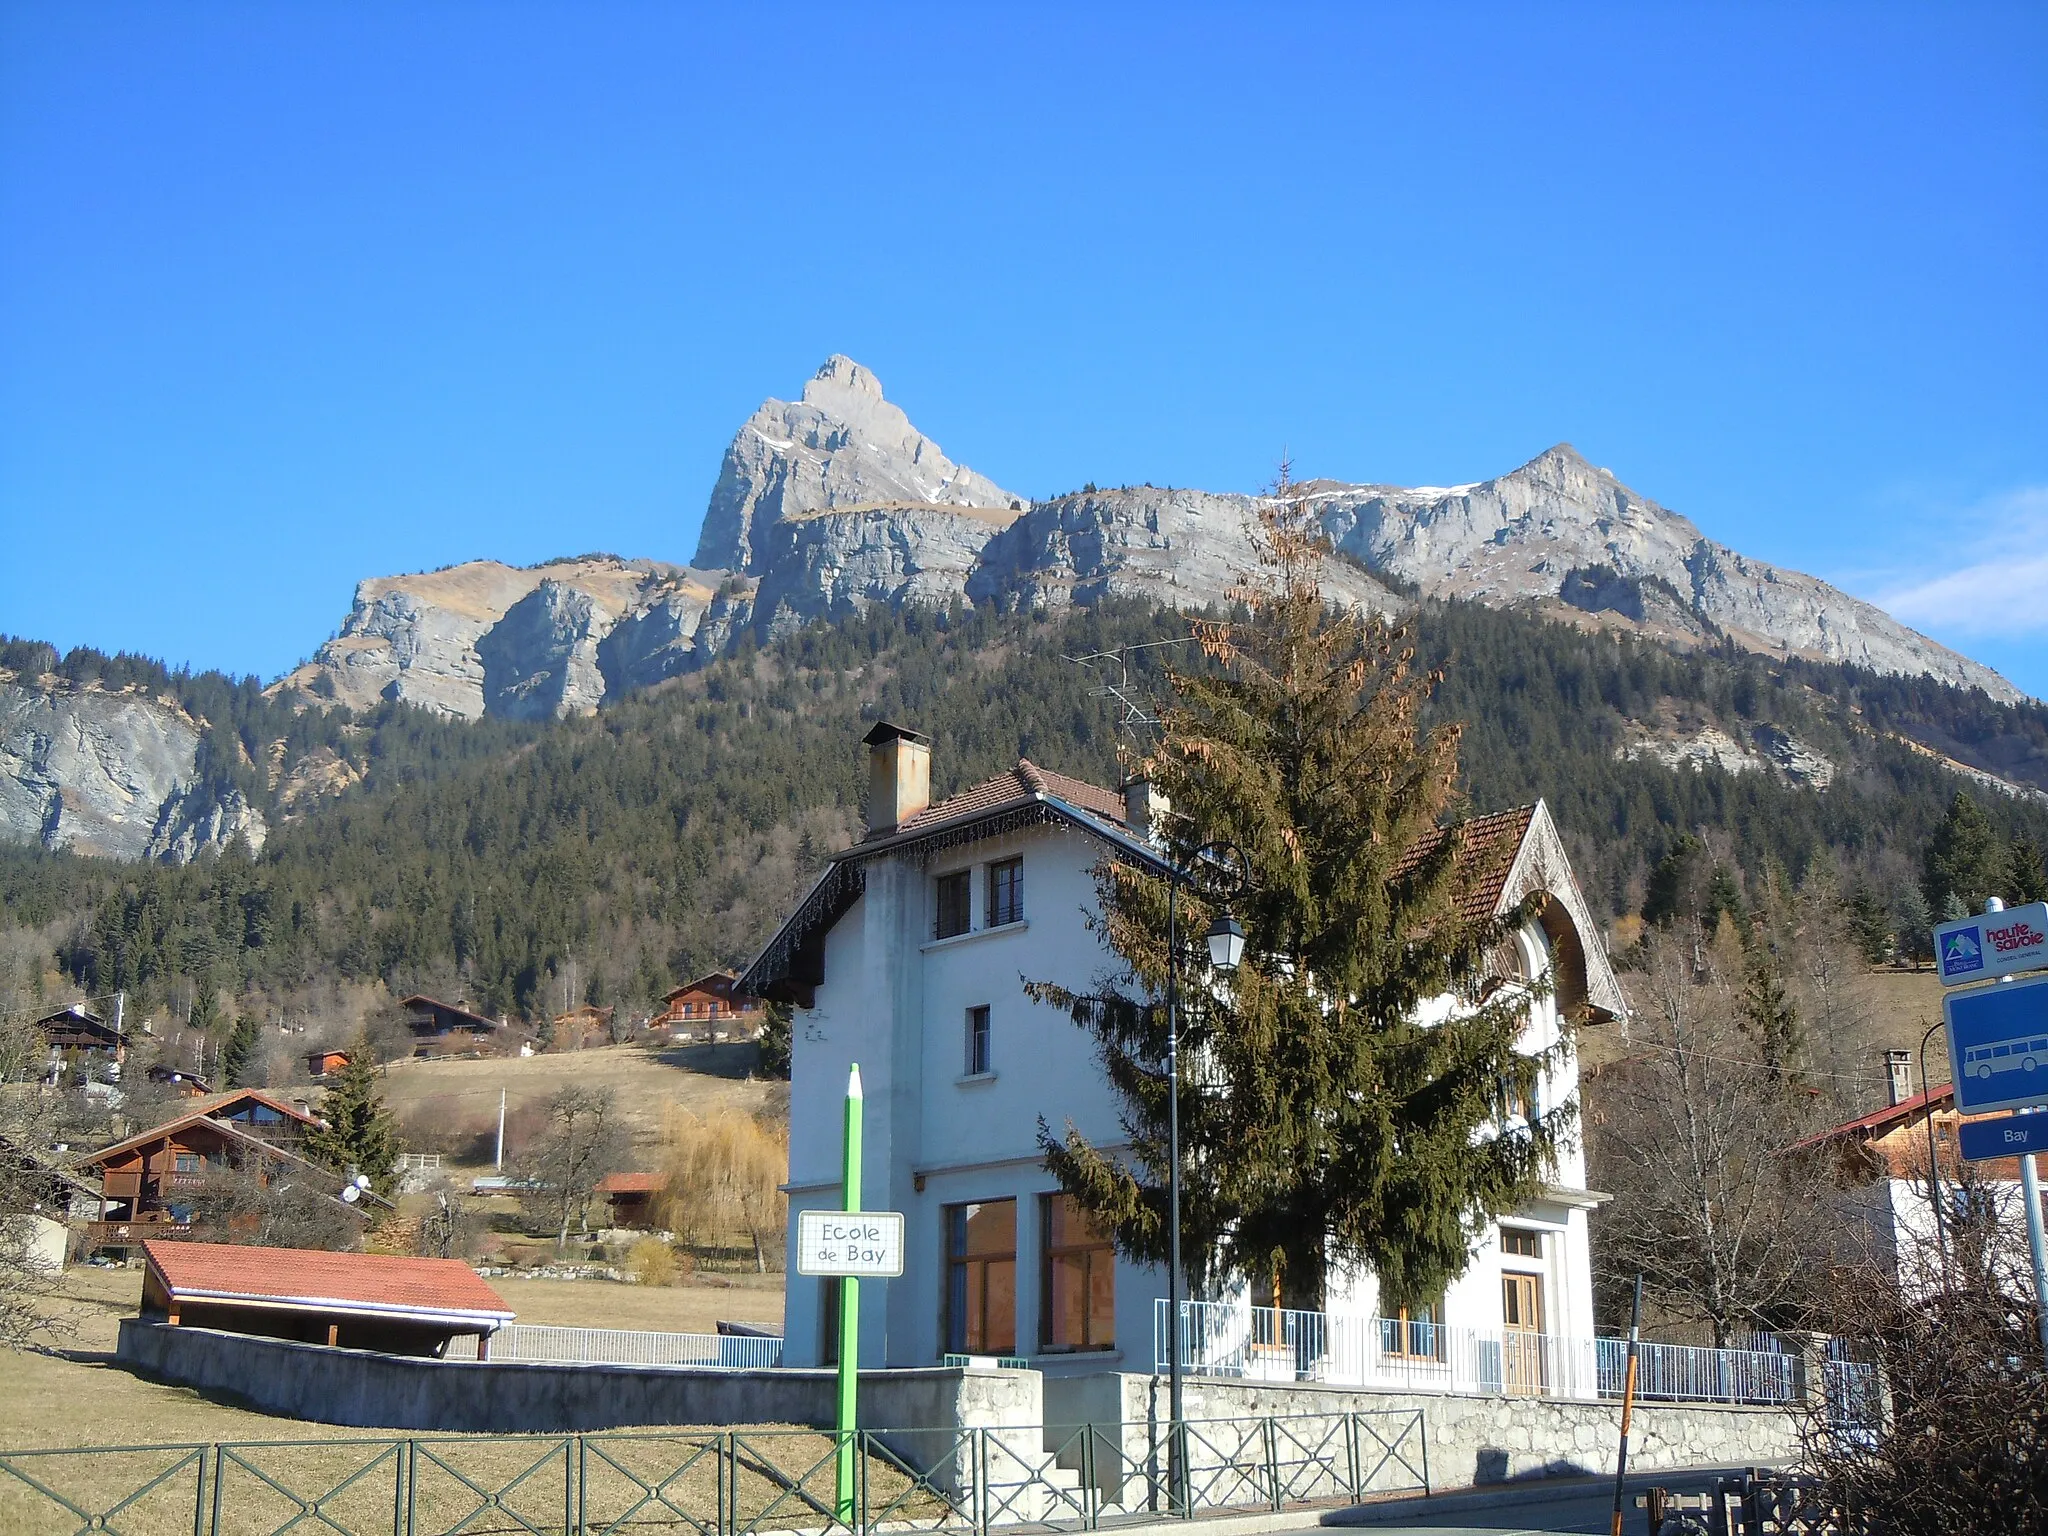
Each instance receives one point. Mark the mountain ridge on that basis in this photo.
(833, 502)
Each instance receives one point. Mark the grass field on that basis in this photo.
(454, 1102)
(79, 1396)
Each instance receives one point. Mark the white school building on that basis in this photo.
(909, 956)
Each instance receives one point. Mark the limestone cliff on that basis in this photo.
(536, 642)
(1518, 538)
(110, 772)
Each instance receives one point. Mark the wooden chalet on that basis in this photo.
(321, 1064)
(396, 1306)
(713, 1003)
(449, 1029)
(146, 1182)
(78, 1028)
(586, 1024)
(631, 1198)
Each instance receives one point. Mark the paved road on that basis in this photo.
(1581, 1514)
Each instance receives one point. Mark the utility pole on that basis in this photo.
(498, 1161)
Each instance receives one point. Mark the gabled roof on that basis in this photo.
(630, 1184)
(220, 1105)
(1026, 796)
(1879, 1121)
(1018, 787)
(301, 1279)
(419, 1000)
(196, 1118)
(1507, 856)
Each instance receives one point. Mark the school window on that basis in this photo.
(977, 1042)
(981, 1278)
(1414, 1333)
(1006, 892)
(955, 899)
(1077, 1307)
(1518, 1242)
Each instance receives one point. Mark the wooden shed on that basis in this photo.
(375, 1301)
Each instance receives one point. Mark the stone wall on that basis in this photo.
(1471, 1439)
(373, 1391)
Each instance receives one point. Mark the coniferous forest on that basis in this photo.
(521, 866)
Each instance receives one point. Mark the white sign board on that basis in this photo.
(1992, 944)
(865, 1244)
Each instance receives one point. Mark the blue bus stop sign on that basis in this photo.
(2008, 1137)
(1998, 1045)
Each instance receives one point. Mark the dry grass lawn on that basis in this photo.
(695, 1306)
(461, 1096)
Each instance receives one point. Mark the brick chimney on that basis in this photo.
(1898, 1066)
(899, 776)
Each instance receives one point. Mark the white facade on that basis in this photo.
(874, 986)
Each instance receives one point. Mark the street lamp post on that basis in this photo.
(1226, 948)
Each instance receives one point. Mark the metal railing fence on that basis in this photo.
(1276, 1344)
(616, 1346)
(951, 1482)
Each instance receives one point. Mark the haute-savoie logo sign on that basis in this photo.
(1974, 948)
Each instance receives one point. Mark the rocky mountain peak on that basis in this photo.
(844, 446)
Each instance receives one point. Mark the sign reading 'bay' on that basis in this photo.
(866, 1244)
(1992, 944)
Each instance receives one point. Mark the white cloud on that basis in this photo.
(2001, 589)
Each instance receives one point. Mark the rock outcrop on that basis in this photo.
(1518, 538)
(538, 642)
(1185, 549)
(841, 447)
(110, 772)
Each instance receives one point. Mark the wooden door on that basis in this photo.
(1521, 1308)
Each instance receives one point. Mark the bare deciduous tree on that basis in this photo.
(1952, 1432)
(580, 1141)
(274, 1206)
(1689, 1133)
(28, 1188)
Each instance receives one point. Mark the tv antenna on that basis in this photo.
(1114, 668)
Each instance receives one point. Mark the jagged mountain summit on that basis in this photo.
(830, 503)
(843, 447)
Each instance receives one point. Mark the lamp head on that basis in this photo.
(1226, 942)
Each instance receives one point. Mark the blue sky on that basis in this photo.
(294, 295)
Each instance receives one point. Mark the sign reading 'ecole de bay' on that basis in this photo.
(863, 1244)
(1992, 944)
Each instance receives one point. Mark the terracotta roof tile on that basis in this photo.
(1017, 787)
(370, 1280)
(1491, 842)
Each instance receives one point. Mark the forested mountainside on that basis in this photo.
(494, 860)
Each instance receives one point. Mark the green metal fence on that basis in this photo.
(954, 1482)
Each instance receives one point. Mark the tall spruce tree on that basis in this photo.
(1323, 1124)
(2027, 878)
(238, 1064)
(359, 1132)
(1965, 861)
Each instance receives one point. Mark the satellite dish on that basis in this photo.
(362, 1181)
(351, 1194)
